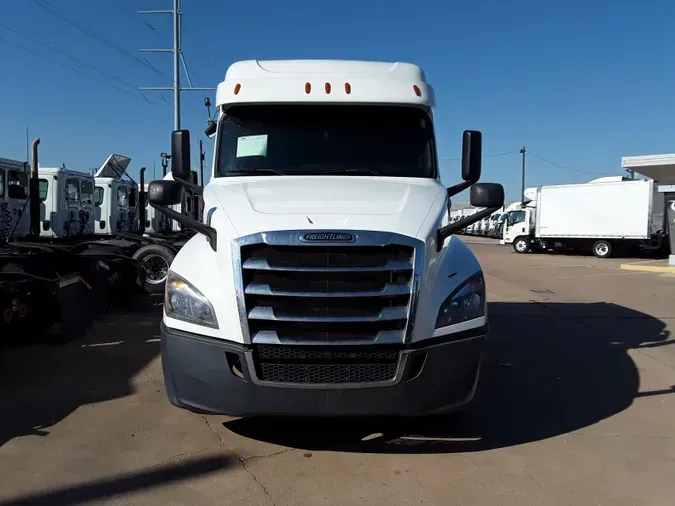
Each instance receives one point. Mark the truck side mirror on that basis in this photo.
(487, 195)
(472, 147)
(211, 128)
(165, 193)
(162, 194)
(490, 196)
(180, 155)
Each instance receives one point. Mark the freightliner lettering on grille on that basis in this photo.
(310, 308)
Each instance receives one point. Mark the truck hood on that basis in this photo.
(258, 204)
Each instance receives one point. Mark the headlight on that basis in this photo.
(465, 303)
(184, 302)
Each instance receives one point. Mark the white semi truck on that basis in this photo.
(600, 216)
(325, 278)
(116, 197)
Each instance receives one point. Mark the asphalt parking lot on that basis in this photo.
(576, 407)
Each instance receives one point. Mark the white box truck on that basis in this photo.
(597, 216)
(325, 278)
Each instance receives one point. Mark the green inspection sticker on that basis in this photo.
(252, 145)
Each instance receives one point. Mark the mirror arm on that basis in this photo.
(444, 232)
(454, 190)
(194, 188)
(205, 230)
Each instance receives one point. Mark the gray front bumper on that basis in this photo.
(440, 376)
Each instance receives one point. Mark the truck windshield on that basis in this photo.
(516, 217)
(17, 185)
(326, 139)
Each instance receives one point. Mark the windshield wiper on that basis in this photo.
(254, 172)
(370, 172)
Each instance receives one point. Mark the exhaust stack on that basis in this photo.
(34, 189)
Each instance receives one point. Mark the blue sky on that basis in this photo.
(578, 83)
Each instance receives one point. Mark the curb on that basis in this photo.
(648, 268)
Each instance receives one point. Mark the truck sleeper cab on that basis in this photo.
(325, 278)
(66, 202)
(14, 177)
(115, 198)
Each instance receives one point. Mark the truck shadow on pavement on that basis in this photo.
(134, 482)
(551, 368)
(42, 384)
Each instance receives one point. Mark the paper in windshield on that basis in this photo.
(252, 145)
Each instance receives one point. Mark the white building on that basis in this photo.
(660, 168)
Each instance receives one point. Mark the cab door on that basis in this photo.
(5, 212)
(86, 213)
(13, 219)
(132, 213)
(101, 215)
(515, 226)
(71, 225)
(121, 208)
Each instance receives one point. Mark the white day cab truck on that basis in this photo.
(601, 216)
(324, 278)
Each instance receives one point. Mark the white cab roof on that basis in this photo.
(661, 168)
(324, 81)
(610, 179)
(54, 171)
(8, 164)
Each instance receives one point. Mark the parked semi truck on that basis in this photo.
(600, 216)
(325, 278)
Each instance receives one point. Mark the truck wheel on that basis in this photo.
(522, 245)
(154, 260)
(602, 249)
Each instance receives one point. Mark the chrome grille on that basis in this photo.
(325, 365)
(327, 294)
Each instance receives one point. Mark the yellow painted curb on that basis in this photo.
(648, 268)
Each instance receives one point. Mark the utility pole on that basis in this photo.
(178, 58)
(522, 180)
(201, 162)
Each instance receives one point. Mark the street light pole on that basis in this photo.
(165, 162)
(522, 181)
(201, 162)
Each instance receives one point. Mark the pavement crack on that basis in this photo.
(220, 437)
(267, 456)
(255, 478)
(242, 460)
(180, 455)
(645, 354)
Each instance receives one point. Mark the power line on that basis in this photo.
(570, 168)
(77, 60)
(122, 90)
(145, 21)
(48, 7)
(484, 156)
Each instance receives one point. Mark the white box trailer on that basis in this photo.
(599, 216)
(616, 210)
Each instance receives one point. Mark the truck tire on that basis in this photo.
(522, 245)
(154, 260)
(602, 249)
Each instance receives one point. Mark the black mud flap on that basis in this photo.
(76, 302)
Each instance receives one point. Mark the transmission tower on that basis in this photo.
(178, 59)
